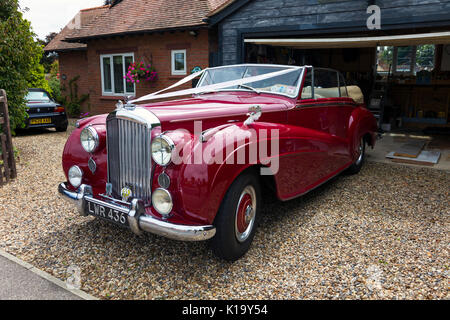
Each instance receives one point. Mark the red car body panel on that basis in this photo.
(317, 140)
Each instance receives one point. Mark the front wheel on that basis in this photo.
(356, 167)
(237, 218)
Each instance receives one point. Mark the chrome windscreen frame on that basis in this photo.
(297, 92)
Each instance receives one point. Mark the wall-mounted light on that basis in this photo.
(193, 33)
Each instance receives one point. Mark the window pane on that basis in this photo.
(107, 75)
(325, 84)
(179, 61)
(342, 86)
(425, 57)
(384, 58)
(118, 74)
(404, 58)
(129, 85)
(307, 92)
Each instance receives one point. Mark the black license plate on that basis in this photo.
(115, 215)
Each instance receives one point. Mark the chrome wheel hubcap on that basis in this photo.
(360, 152)
(245, 214)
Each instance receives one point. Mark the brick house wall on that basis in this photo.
(71, 65)
(155, 48)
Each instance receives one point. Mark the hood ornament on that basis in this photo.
(254, 113)
(129, 106)
(119, 105)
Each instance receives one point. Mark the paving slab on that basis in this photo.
(21, 281)
(393, 141)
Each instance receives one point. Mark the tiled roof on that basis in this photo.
(130, 16)
(218, 5)
(84, 17)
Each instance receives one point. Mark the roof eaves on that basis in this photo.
(224, 11)
(74, 39)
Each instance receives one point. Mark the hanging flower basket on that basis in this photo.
(138, 72)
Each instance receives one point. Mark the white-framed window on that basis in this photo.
(179, 62)
(114, 67)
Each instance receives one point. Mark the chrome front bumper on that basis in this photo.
(137, 219)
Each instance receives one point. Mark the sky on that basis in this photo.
(52, 15)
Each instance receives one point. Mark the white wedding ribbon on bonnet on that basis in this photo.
(213, 87)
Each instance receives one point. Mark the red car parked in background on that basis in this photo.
(193, 169)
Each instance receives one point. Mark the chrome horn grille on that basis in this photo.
(128, 134)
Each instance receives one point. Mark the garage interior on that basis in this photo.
(405, 78)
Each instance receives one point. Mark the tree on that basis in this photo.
(425, 57)
(48, 57)
(19, 60)
(54, 82)
(385, 57)
(36, 76)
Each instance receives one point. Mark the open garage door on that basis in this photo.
(405, 78)
(357, 42)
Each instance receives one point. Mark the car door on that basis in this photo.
(331, 93)
(320, 143)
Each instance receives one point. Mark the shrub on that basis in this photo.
(72, 102)
(19, 60)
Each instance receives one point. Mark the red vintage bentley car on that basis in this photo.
(194, 168)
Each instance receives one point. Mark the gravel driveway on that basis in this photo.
(381, 234)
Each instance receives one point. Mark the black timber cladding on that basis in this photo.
(270, 18)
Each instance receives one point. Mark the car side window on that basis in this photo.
(326, 84)
(307, 91)
(342, 86)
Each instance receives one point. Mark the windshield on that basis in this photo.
(285, 84)
(37, 96)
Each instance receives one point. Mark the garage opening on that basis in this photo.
(405, 78)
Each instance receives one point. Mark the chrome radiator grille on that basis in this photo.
(129, 158)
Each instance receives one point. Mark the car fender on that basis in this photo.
(361, 122)
(204, 184)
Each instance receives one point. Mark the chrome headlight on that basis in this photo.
(89, 139)
(162, 148)
(162, 201)
(75, 176)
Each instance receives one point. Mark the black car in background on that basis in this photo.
(44, 112)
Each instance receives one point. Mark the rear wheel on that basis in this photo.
(237, 218)
(356, 167)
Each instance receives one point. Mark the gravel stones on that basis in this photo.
(381, 234)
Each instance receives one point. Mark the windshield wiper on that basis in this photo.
(250, 88)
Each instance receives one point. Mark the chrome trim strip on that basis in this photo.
(75, 198)
(139, 115)
(138, 221)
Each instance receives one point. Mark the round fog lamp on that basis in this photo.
(162, 201)
(89, 139)
(75, 176)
